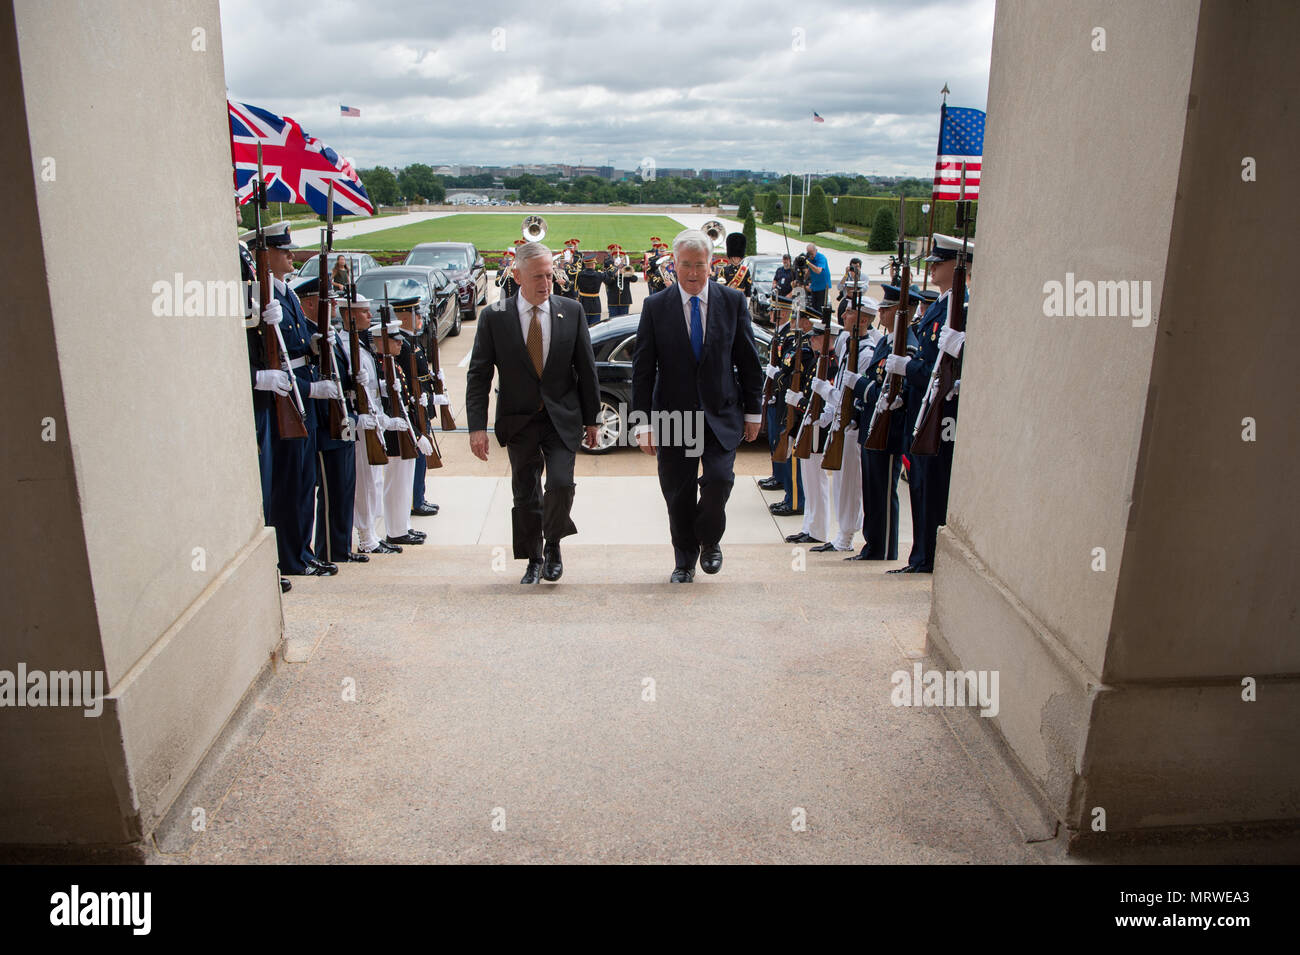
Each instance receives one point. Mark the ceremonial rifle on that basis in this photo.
(816, 404)
(433, 459)
(834, 456)
(878, 430)
(290, 415)
(435, 368)
(338, 413)
(405, 439)
(929, 423)
(375, 452)
(782, 450)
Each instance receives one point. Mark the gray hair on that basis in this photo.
(528, 251)
(693, 239)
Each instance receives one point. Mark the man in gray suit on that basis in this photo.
(547, 394)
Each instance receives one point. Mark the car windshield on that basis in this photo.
(439, 258)
(765, 271)
(372, 286)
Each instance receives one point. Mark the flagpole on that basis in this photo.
(934, 203)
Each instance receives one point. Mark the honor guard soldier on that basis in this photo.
(293, 460)
(336, 472)
(589, 282)
(816, 480)
(792, 351)
(410, 313)
(734, 273)
(650, 272)
(928, 475)
(881, 469)
(618, 282)
(846, 482)
(399, 472)
(369, 497)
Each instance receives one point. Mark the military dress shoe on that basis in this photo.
(532, 573)
(781, 509)
(320, 570)
(552, 566)
(909, 569)
(682, 575)
(862, 555)
(823, 548)
(404, 539)
(357, 558)
(771, 484)
(424, 510)
(327, 566)
(285, 586)
(802, 538)
(383, 547)
(711, 559)
(412, 532)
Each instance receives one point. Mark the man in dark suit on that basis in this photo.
(547, 395)
(695, 358)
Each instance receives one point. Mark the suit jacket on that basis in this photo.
(568, 386)
(726, 384)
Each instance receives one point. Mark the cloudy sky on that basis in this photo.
(683, 82)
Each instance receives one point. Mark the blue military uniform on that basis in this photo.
(293, 461)
(787, 471)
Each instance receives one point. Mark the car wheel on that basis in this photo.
(609, 427)
(455, 326)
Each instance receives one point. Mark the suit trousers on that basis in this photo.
(917, 477)
(398, 483)
(369, 503)
(696, 520)
(539, 513)
(880, 471)
(417, 487)
(336, 482)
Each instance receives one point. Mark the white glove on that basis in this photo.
(386, 423)
(277, 381)
(771, 371)
(881, 405)
(850, 379)
(956, 390)
(951, 340)
(821, 386)
(896, 364)
(441, 377)
(331, 337)
(425, 446)
(793, 397)
(363, 376)
(398, 424)
(440, 400)
(367, 422)
(272, 314)
(325, 389)
(424, 399)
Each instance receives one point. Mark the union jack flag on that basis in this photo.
(961, 140)
(298, 167)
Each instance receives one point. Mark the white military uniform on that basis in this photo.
(846, 483)
(369, 502)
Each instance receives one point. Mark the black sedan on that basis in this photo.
(437, 294)
(613, 342)
(464, 267)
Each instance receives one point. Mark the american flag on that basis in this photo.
(298, 167)
(961, 140)
(349, 110)
(817, 117)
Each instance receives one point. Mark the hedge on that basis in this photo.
(861, 211)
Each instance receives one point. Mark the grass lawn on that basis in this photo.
(493, 230)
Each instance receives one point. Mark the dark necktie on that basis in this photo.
(697, 328)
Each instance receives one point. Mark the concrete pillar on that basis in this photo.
(1122, 688)
(133, 541)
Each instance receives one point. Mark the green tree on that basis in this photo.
(817, 217)
(418, 181)
(884, 230)
(743, 211)
(381, 185)
(751, 239)
(771, 214)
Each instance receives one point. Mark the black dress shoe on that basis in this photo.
(404, 539)
(285, 586)
(383, 547)
(324, 565)
(909, 569)
(802, 538)
(861, 555)
(357, 558)
(532, 573)
(771, 484)
(552, 566)
(682, 575)
(424, 510)
(320, 570)
(412, 532)
(711, 559)
(781, 509)
(823, 548)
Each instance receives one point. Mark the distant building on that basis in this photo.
(668, 172)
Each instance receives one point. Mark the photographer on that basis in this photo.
(819, 279)
(848, 284)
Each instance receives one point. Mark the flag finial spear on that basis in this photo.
(944, 91)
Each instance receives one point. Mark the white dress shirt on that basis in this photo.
(525, 308)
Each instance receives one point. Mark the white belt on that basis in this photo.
(298, 362)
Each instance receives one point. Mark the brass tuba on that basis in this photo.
(715, 230)
(534, 229)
